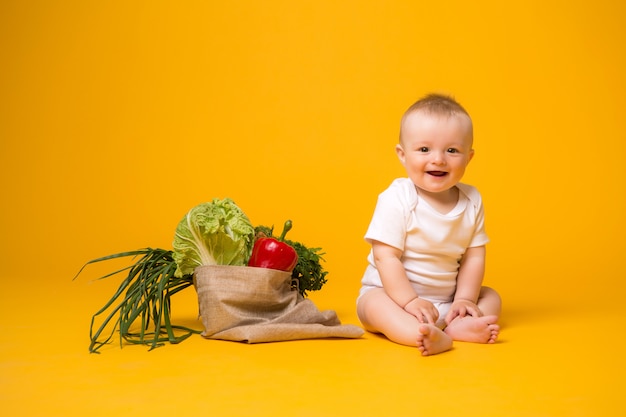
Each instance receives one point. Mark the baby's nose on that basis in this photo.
(438, 157)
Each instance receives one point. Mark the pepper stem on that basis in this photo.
(286, 228)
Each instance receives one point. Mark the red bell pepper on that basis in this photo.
(272, 253)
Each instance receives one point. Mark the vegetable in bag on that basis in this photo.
(271, 253)
(212, 233)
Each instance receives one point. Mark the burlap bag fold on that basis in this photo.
(256, 305)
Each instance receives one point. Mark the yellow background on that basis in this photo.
(117, 117)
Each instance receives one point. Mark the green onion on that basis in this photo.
(141, 307)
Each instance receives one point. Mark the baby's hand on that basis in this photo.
(461, 308)
(423, 310)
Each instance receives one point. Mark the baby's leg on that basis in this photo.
(380, 314)
(482, 329)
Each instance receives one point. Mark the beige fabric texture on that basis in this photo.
(258, 305)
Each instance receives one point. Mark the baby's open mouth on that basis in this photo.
(437, 173)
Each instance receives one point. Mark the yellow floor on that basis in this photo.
(550, 361)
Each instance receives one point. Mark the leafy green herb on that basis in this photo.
(308, 274)
(141, 307)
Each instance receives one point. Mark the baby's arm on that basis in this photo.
(468, 284)
(397, 285)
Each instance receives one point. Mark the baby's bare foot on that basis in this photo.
(432, 340)
(474, 329)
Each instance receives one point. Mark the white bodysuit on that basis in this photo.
(432, 243)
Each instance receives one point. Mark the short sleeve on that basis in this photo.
(480, 237)
(389, 222)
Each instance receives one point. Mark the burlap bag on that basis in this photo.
(256, 305)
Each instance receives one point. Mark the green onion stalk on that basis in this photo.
(142, 300)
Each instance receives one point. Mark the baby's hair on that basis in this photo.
(436, 104)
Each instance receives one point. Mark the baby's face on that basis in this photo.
(435, 150)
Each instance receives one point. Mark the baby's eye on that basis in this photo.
(452, 150)
(423, 149)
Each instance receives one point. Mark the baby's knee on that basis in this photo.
(489, 301)
(489, 292)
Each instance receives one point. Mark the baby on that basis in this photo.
(423, 283)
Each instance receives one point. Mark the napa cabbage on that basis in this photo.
(213, 233)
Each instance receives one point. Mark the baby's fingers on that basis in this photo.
(428, 316)
(456, 311)
(474, 312)
(452, 314)
(424, 318)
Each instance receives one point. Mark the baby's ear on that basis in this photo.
(400, 153)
